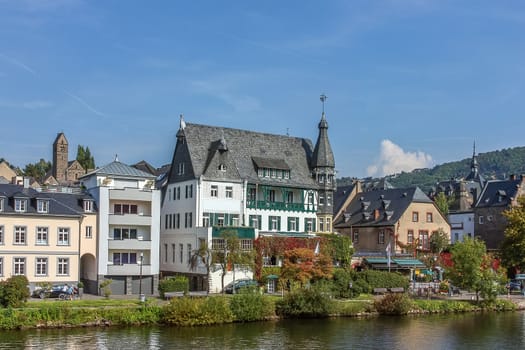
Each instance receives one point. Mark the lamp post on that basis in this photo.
(141, 297)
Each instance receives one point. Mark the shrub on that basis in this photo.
(393, 304)
(341, 283)
(247, 307)
(14, 291)
(197, 312)
(312, 302)
(383, 279)
(106, 288)
(173, 284)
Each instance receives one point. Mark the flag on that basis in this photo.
(316, 251)
(388, 254)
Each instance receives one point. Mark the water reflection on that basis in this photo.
(470, 331)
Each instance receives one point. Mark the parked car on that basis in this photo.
(239, 284)
(513, 286)
(56, 291)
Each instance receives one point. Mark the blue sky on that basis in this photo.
(410, 84)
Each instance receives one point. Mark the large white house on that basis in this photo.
(253, 183)
(129, 229)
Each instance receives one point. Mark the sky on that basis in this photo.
(410, 83)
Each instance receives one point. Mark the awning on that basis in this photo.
(395, 264)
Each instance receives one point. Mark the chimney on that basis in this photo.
(376, 214)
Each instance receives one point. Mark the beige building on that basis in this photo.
(48, 237)
(6, 172)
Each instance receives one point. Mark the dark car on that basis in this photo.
(56, 291)
(239, 284)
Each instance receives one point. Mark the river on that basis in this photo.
(469, 331)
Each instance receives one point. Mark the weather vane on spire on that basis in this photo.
(323, 99)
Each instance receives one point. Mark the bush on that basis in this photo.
(173, 284)
(14, 291)
(383, 279)
(248, 307)
(312, 302)
(341, 282)
(106, 287)
(393, 304)
(197, 312)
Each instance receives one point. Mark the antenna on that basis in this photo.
(323, 99)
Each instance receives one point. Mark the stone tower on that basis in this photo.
(323, 171)
(60, 157)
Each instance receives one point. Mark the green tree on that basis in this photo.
(439, 240)
(232, 255)
(442, 202)
(37, 170)
(85, 158)
(513, 244)
(202, 256)
(472, 269)
(340, 249)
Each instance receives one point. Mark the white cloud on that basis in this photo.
(393, 159)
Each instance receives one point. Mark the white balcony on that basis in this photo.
(129, 219)
(129, 244)
(129, 270)
(131, 194)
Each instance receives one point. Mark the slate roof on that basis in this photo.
(498, 193)
(340, 196)
(323, 155)
(391, 204)
(117, 168)
(146, 167)
(244, 149)
(60, 204)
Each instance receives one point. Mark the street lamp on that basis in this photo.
(141, 297)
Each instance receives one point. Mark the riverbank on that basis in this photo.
(97, 312)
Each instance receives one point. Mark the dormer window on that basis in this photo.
(180, 168)
(88, 205)
(222, 167)
(42, 206)
(1, 204)
(20, 205)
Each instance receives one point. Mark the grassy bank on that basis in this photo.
(226, 309)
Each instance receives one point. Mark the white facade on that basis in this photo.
(461, 225)
(129, 230)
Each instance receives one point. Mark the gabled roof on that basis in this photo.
(117, 168)
(340, 196)
(146, 167)
(499, 193)
(242, 147)
(389, 205)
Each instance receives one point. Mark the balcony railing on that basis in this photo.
(286, 206)
(129, 269)
(133, 244)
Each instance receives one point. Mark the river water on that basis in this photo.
(469, 331)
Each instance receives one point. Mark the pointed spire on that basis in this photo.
(182, 126)
(323, 155)
(474, 163)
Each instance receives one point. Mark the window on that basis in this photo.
(1, 235)
(481, 220)
(328, 225)
(125, 209)
(42, 235)
(189, 191)
(489, 218)
(429, 217)
(214, 191)
(19, 266)
(20, 235)
(235, 220)
(1, 205)
(321, 225)
(178, 193)
(1, 266)
(246, 244)
(410, 237)
(188, 246)
(274, 223)
(188, 219)
(170, 225)
(218, 244)
(42, 206)
(181, 251)
(205, 220)
(293, 224)
(251, 194)
(41, 267)
(271, 195)
(88, 205)
(286, 174)
(328, 199)
(220, 220)
(381, 237)
(424, 243)
(415, 216)
(229, 192)
(173, 253)
(321, 199)
(180, 168)
(255, 221)
(124, 258)
(20, 205)
(289, 197)
(89, 232)
(310, 198)
(63, 236)
(177, 220)
(355, 236)
(309, 225)
(166, 221)
(165, 252)
(169, 194)
(222, 167)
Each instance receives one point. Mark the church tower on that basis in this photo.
(323, 171)
(60, 157)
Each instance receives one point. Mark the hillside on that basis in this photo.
(492, 165)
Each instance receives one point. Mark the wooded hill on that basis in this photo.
(492, 165)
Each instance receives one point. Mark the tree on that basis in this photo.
(85, 158)
(202, 256)
(513, 244)
(340, 248)
(303, 265)
(37, 170)
(472, 269)
(442, 202)
(439, 240)
(232, 255)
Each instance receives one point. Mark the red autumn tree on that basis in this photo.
(303, 265)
